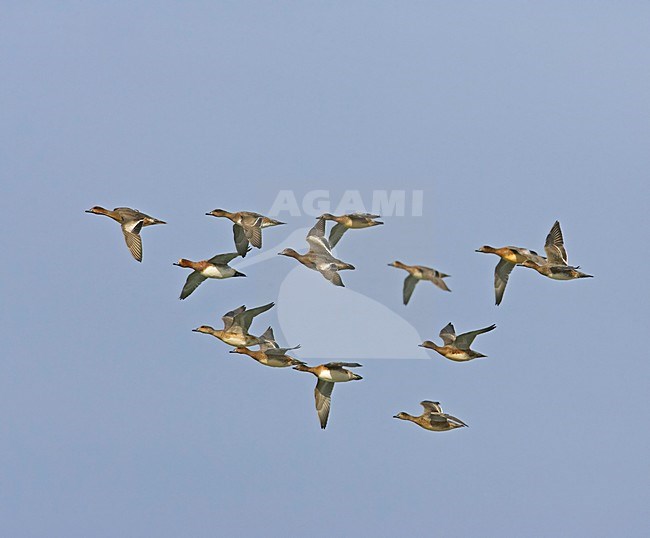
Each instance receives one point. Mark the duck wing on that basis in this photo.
(333, 276)
(464, 341)
(223, 259)
(268, 340)
(409, 285)
(501, 273)
(131, 230)
(554, 246)
(438, 281)
(316, 239)
(343, 364)
(448, 334)
(436, 419)
(193, 281)
(454, 420)
(241, 243)
(365, 215)
(253, 230)
(323, 397)
(431, 407)
(336, 233)
(280, 350)
(245, 318)
(229, 317)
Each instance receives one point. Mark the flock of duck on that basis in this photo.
(247, 232)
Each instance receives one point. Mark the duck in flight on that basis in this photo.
(247, 227)
(131, 222)
(417, 273)
(319, 257)
(510, 257)
(457, 348)
(556, 265)
(215, 267)
(347, 222)
(270, 353)
(328, 374)
(236, 325)
(433, 418)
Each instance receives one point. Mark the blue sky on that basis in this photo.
(117, 420)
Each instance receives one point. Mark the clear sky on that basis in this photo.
(117, 420)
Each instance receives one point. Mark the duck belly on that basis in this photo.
(458, 356)
(217, 272)
(237, 340)
(335, 376)
(561, 276)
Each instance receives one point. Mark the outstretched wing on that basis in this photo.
(131, 231)
(245, 318)
(501, 273)
(193, 281)
(253, 231)
(409, 285)
(333, 276)
(229, 317)
(223, 259)
(438, 281)
(464, 341)
(323, 397)
(343, 364)
(448, 334)
(268, 340)
(241, 243)
(554, 246)
(280, 350)
(316, 239)
(431, 407)
(336, 233)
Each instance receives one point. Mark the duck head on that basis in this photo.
(218, 213)
(205, 329)
(289, 252)
(98, 210)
